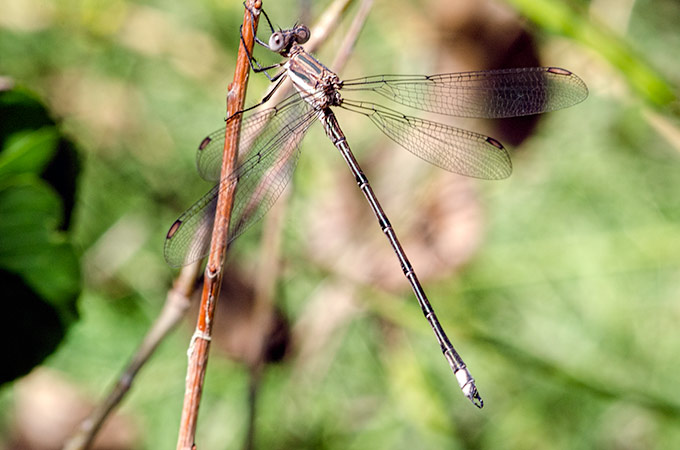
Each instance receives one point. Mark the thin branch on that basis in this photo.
(352, 36)
(269, 253)
(200, 341)
(264, 286)
(176, 304)
(178, 298)
(270, 244)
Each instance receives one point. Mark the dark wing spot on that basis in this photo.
(205, 142)
(558, 71)
(173, 229)
(494, 142)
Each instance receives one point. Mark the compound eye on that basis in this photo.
(302, 34)
(276, 41)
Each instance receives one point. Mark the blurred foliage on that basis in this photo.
(37, 176)
(566, 314)
(559, 17)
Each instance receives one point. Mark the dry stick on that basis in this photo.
(352, 36)
(269, 254)
(178, 298)
(270, 244)
(200, 341)
(177, 301)
(269, 247)
(176, 304)
(264, 285)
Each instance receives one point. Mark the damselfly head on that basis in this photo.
(282, 40)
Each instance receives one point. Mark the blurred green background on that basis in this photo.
(559, 286)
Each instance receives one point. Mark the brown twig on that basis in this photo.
(270, 245)
(200, 341)
(177, 300)
(269, 254)
(352, 36)
(176, 304)
(264, 286)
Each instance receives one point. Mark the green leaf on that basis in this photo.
(30, 244)
(39, 268)
(28, 151)
(21, 109)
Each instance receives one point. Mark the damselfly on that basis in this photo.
(269, 140)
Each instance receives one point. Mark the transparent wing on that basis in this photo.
(453, 149)
(210, 151)
(262, 175)
(486, 94)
